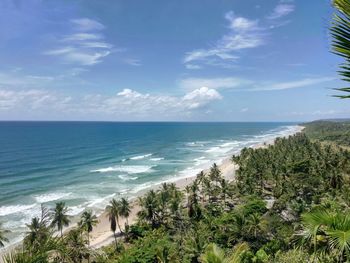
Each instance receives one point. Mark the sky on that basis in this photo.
(163, 60)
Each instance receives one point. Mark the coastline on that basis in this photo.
(103, 236)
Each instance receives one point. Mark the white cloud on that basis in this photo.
(83, 48)
(32, 99)
(293, 84)
(244, 110)
(82, 37)
(87, 24)
(192, 66)
(127, 103)
(240, 23)
(85, 58)
(97, 45)
(249, 85)
(212, 83)
(130, 101)
(243, 34)
(133, 62)
(18, 80)
(200, 97)
(281, 10)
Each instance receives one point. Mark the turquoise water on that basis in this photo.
(86, 164)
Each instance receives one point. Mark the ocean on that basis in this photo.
(86, 164)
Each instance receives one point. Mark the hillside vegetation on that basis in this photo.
(329, 131)
(290, 203)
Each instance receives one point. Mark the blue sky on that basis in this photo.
(185, 60)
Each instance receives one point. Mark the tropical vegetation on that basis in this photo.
(289, 202)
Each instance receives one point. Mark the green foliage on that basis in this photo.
(294, 193)
(292, 256)
(60, 217)
(154, 247)
(329, 131)
(340, 32)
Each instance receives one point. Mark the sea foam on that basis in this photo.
(13, 209)
(44, 198)
(139, 157)
(130, 169)
(156, 159)
(125, 177)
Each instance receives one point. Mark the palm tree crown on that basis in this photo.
(60, 217)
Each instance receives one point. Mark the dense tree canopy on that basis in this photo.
(289, 202)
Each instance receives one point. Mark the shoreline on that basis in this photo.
(102, 236)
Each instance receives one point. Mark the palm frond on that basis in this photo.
(340, 31)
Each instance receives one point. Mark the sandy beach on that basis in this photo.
(102, 235)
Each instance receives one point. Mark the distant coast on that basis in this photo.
(102, 235)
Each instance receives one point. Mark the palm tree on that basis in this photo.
(327, 231)
(237, 253)
(125, 209)
(215, 173)
(224, 189)
(60, 217)
(114, 208)
(340, 32)
(39, 232)
(213, 254)
(149, 205)
(195, 244)
(88, 221)
(76, 246)
(112, 219)
(3, 238)
(254, 224)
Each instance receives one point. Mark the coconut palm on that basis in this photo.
(76, 246)
(149, 205)
(340, 32)
(3, 238)
(60, 217)
(39, 231)
(213, 254)
(215, 173)
(125, 209)
(111, 213)
(88, 221)
(253, 224)
(114, 208)
(325, 231)
(237, 253)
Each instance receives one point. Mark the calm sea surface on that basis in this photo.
(86, 164)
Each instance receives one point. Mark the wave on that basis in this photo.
(125, 177)
(156, 159)
(130, 169)
(139, 157)
(44, 198)
(201, 160)
(101, 200)
(14, 209)
(219, 149)
(75, 210)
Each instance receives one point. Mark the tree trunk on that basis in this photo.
(115, 240)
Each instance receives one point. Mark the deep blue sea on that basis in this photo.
(86, 164)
